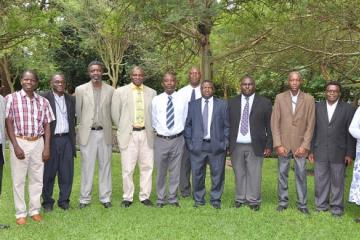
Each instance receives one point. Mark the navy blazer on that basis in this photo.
(332, 140)
(219, 128)
(70, 108)
(259, 119)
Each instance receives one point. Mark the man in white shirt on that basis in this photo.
(168, 119)
(189, 93)
(333, 148)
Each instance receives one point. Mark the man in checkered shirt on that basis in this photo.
(28, 117)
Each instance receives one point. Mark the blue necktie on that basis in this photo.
(205, 116)
(170, 113)
(244, 127)
(192, 95)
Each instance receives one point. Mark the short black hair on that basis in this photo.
(33, 72)
(332, 82)
(171, 73)
(247, 76)
(96, 62)
(207, 81)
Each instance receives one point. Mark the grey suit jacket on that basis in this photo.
(219, 128)
(122, 112)
(2, 123)
(332, 140)
(259, 119)
(293, 130)
(85, 108)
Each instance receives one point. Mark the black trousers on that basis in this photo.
(61, 163)
(1, 166)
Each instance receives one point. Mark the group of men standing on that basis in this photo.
(181, 132)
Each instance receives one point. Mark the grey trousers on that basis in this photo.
(185, 173)
(329, 186)
(167, 157)
(95, 149)
(247, 169)
(300, 177)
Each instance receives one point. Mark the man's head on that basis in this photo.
(58, 83)
(96, 70)
(194, 76)
(169, 82)
(29, 81)
(247, 85)
(137, 76)
(207, 89)
(332, 91)
(294, 81)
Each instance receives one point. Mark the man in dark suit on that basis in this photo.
(62, 145)
(250, 141)
(206, 135)
(333, 148)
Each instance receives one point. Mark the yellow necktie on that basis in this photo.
(139, 108)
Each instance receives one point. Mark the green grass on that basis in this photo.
(139, 222)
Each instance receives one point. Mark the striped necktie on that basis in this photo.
(206, 117)
(170, 113)
(244, 127)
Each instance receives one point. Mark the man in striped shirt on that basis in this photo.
(28, 117)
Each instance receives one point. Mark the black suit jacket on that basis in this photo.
(260, 116)
(332, 140)
(219, 129)
(70, 108)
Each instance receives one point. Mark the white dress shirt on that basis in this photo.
(331, 109)
(247, 138)
(186, 92)
(62, 124)
(294, 100)
(158, 112)
(210, 108)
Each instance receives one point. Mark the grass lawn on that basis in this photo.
(139, 222)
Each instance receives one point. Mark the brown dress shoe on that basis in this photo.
(21, 221)
(36, 218)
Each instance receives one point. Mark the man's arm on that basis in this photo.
(350, 141)
(46, 151)
(78, 104)
(116, 107)
(308, 135)
(269, 143)
(226, 125)
(19, 153)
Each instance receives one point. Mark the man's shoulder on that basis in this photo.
(308, 97)
(123, 88)
(149, 89)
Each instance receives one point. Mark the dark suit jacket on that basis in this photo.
(260, 117)
(219, 129)
(70, 107)
(332, 140)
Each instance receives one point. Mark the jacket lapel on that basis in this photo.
(52, 103)
(130, 101)
(237, 112)
(336, 113)
(299, 102)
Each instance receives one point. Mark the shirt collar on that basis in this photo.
(332, 105)
(23, 94)
(210, 99)
(133, 86)
(57, 96)
(295, 95)
(243, 97)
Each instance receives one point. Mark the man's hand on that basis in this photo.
(348, 160)
(311, 158)
(267, 152)
(281, 151)
(46, 154)
(19, 153)
(300, 152)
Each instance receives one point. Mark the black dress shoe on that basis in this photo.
(337, 214)
(83, 205)
(281, 208)
(175, 204)
(160, 205)
(304, 210)
(48, 209)
(4, 226)
(107, 205)
(238, 204)
(254, 207)
(126, 204)
(185, 195)
(65, 206)
(198, 204)
(147, 203)
(357, 220)
(216, 205)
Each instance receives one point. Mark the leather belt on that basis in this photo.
(206, 140)
(170, 137)
(61, 134)
(138, 128)
(29, 138)
(97, 128)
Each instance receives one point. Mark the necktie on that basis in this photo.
(139, 106)
(192, 95)
(170, 113)
(244, 127)
(206, 117)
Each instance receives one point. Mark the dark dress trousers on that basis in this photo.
(330, 144)
(212, 151)
(63, 151)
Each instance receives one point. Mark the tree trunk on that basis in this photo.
(6, 81)
(205, 55)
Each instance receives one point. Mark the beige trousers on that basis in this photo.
(33, 167)
(138, 151)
